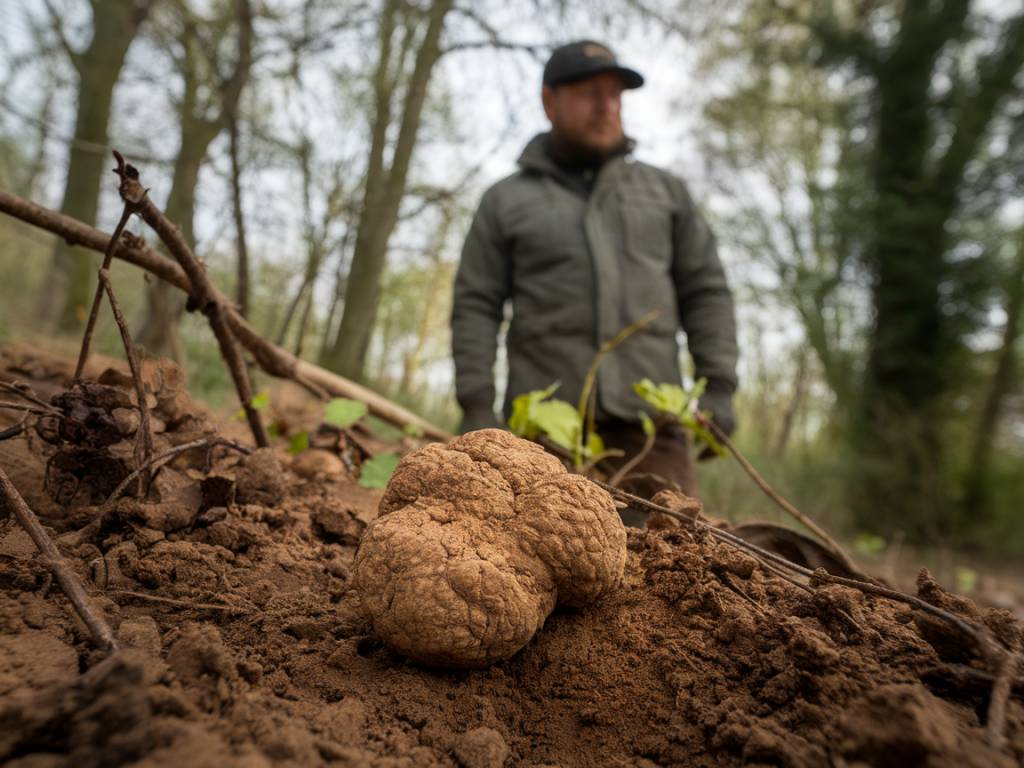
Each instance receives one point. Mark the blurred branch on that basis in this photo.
(493, 38)
(57, 27)
(272, 359)
(997, 74)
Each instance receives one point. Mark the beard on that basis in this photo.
(575, 152)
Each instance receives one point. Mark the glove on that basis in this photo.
(478, 411)
(479, 418)
(718, 401)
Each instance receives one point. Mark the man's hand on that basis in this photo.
(478, 411)
(479, 418)
(719, 403)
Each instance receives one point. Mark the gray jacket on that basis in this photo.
(578, 268)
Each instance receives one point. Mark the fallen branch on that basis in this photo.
(101, 632)
(783, 504)
(274, 360)
(160, 459)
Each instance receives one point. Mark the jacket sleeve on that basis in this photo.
(705, 303)
(482, 285)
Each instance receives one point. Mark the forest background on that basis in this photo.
(861, 161)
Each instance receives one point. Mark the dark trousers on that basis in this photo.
(669, 462)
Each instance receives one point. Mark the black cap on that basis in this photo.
(583, 59)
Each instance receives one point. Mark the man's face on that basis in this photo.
(587, 112)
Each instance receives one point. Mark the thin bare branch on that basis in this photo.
(162, 458)
(202, 295)
(774, 495)
(100, 631)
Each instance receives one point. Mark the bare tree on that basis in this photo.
(399, 39)
(115, 24)
(202, 118)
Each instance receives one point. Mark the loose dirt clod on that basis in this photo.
(476, 543)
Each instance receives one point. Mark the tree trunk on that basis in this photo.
(976, 494)
(159, 331)
(115, 24)
(383, 195)
(902, 479)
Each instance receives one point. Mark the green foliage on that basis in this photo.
(259, 402)
(378, 470)
(869, 544)
(966, 579)
(298, 443)
(412, 430)
(675, 402)
(343, 412)
(535, 414)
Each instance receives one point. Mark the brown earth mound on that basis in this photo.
(247, 647)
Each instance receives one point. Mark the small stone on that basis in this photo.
(481, 748)
(261, 480)
(317, 463)
(126, 419)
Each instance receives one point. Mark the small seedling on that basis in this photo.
(342, 412)
(673, 401)
(378, 470)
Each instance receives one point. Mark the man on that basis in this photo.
(584, 240)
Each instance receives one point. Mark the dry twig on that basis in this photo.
(160, 459)
(635, 461)
(145, 432)
(818, 531)
(202, 296)
(177, 603)
(996, 729)
(101, 632)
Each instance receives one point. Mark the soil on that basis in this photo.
(245, 645)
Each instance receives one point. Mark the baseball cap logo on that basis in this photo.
(595, 51)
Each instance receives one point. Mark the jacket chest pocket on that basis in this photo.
(647, 225)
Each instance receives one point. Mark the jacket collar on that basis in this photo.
(535, 156)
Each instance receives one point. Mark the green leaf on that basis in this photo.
(298, 443)
(273, 432)
(260, 401)
(343, 412)
(522, 422)
(595, 445)
(966, 579)
(378, 470)
(559, 421)
(664, 398)
(868, 544)
(648, 424)
(412, 430)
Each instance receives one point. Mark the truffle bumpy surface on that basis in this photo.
(475, 544)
